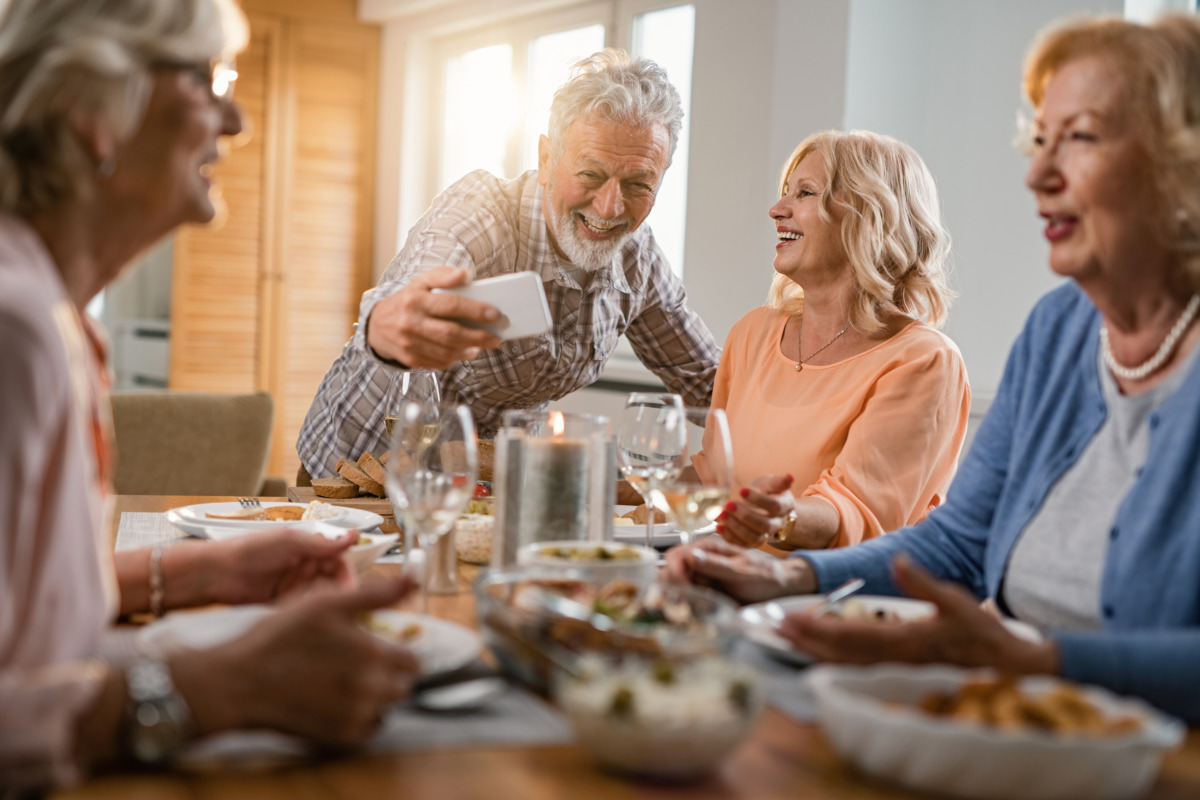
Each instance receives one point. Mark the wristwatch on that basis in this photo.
(780, 536)
(159, 719)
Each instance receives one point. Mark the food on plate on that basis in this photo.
(619, 520)
(319, 510)
(239, 513)
(482, 489)
(369, 464)
(473, 536)
(999, 703)
(640, 614)
(277, 513)
(640, 513)
(856, 610)
(335, 488)
(352, 472)
(590, 553)
(376, 625)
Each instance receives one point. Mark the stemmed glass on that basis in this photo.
(415, 385)
(650, 444)
(431, 474)
(695, 496)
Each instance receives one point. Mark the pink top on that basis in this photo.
(57, 583)
(877, 435)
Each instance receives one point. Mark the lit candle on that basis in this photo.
(551, 485)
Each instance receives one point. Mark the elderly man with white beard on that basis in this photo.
(575, 221)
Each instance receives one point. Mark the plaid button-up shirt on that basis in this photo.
(494, 227)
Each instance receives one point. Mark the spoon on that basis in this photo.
(838, 595)
(461, 696)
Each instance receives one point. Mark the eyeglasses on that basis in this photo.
(219, 76)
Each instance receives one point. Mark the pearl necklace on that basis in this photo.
(799, 360)
(1164, 350)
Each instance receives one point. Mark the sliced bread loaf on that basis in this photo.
(370, 465)
(352, 472)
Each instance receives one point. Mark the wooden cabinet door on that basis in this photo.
(328, 204)
(220, 276)
(267, 300)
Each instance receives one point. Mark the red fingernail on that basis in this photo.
(731, 507)
(721, 515)
(745, 492)
(790, 478)
(720, 529)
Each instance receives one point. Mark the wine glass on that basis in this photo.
(696, 496)
(417, 385)
(431, 475)
(650, 444)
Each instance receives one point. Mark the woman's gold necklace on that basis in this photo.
(799, 333)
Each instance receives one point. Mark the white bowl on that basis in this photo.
(871, 718)
(633, 722)
(638, 562)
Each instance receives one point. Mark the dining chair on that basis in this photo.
(193, 443)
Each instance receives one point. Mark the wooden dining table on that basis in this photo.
(782, 758)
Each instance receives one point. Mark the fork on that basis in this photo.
(249, 502)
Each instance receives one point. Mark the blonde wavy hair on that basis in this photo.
(1159, 65)
(62, 59)
(891, 227)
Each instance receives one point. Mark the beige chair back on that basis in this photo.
(191, 443)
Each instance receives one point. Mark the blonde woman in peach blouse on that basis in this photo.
(846, 406)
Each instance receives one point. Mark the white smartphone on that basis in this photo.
(518, 297)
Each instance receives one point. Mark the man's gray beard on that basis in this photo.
(587, 255)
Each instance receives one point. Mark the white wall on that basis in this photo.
(944, 76)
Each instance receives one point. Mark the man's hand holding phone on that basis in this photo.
(421, 329)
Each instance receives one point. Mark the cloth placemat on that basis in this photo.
(516, 718)
(137, 529)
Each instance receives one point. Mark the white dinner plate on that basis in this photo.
(194, 520)
(760, 622)
(664, 534)
(439, 645)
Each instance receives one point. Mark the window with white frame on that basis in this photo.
(495, 87)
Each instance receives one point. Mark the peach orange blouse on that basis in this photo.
(877, 435)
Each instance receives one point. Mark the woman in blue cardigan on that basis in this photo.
(1078, 506)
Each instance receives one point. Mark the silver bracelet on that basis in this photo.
(157, 588)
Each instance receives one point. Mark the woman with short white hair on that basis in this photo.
(111, 114)
(847, 408)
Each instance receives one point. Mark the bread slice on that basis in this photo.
(338, 488)
(640, 513)
(486, 450)
(370, 465)
(352, 472)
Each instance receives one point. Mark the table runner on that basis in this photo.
(517, 717)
